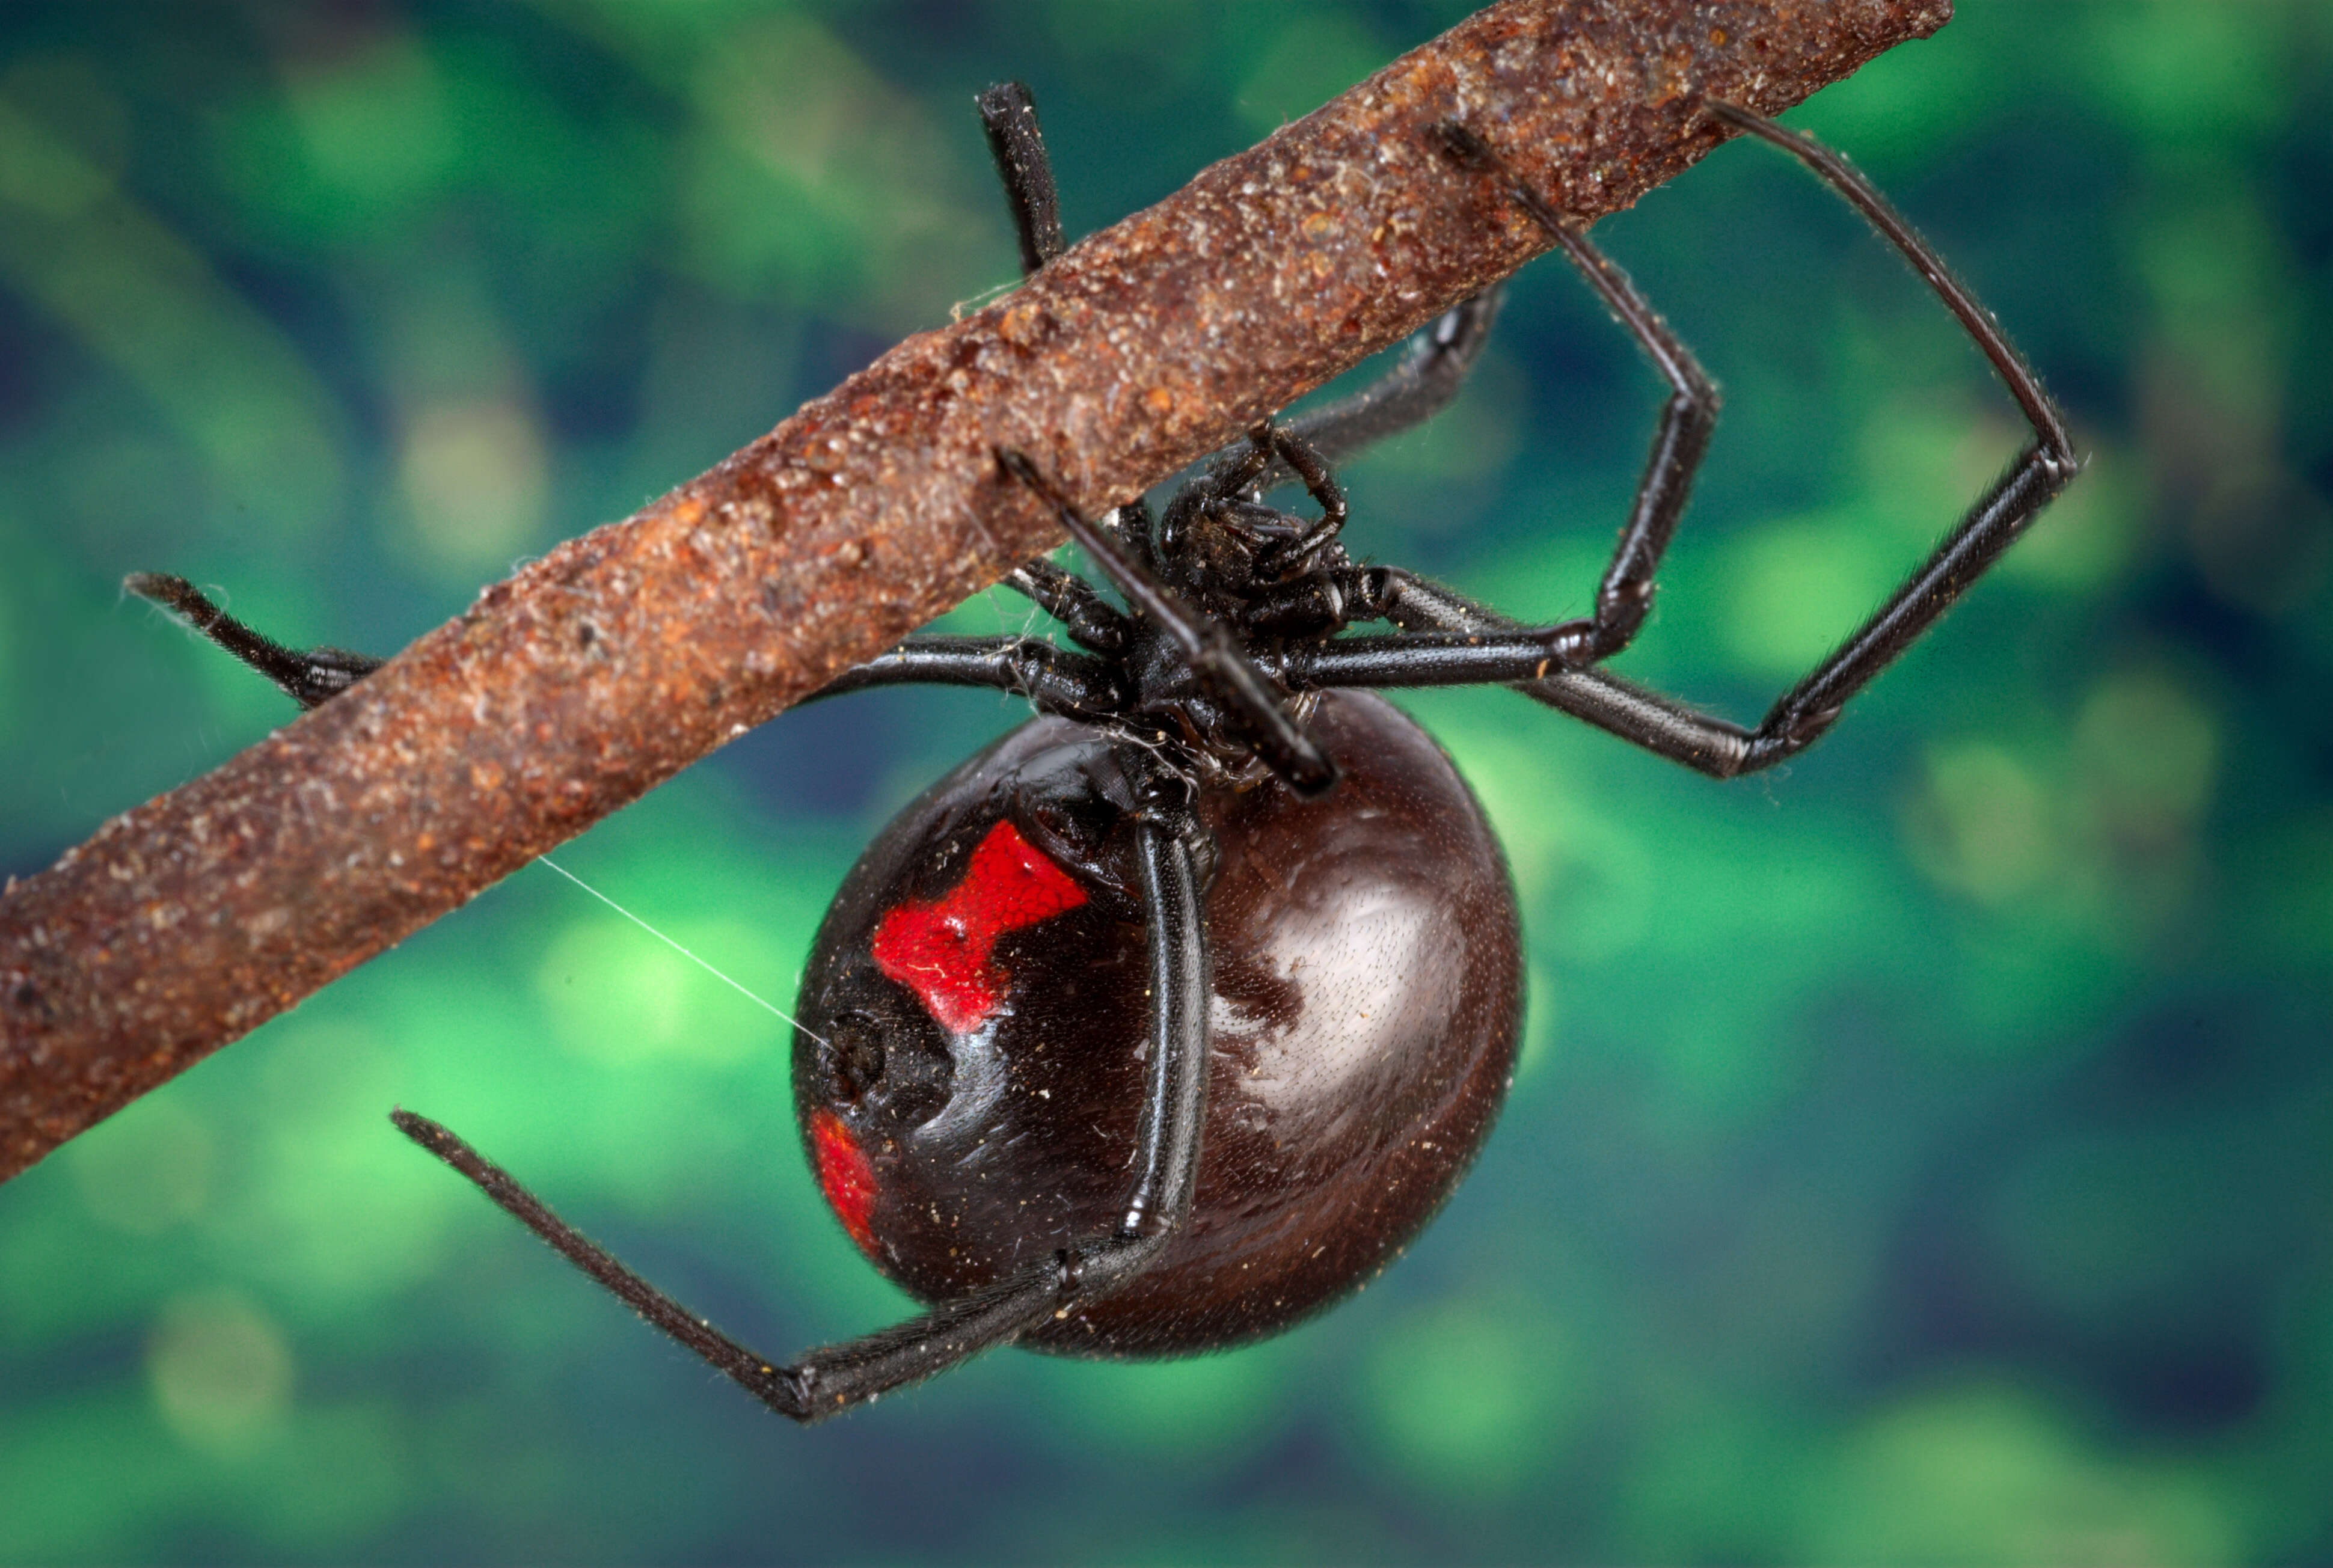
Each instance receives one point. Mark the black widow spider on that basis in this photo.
(1115, 1043)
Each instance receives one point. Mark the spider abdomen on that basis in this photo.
(976, 1021)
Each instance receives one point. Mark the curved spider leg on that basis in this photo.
(1625, 597)
(830, 1380)
(1092, 620)
(1426, 382)
(1466, 644)
(1227, 478)
(1053, 679)
(1214, 654)
(1175, 1096)
(1429, 376)
(1234, 471)
(1287, 559)
(2042, 412)
(310, 677)
(1997, 519)
(1231, 485)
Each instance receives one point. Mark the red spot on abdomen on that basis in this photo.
(941, 949)
(845, 1175)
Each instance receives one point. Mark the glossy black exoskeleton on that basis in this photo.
(1132, 1036)
(970, 1108)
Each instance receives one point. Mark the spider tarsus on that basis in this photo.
(170, 593)
(310, 679)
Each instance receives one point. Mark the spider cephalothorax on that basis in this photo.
(1271, 573)
(1131, 1037)
(1256, 579)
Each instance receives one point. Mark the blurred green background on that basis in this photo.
(1924, 1154)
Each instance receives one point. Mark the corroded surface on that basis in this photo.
(623, 656)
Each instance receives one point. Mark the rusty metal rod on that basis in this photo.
(622, 657)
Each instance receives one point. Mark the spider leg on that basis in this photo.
(1009, 115)
(1429, 376)
(1422, 385)
(1625, 596)
(1234, 480)
(1092, 620)
(2047, 421)
(1492, 650)
(1174, 1104)
(831, 1379)
(1462, 643)
(1997, 520)
(1053, 679)
(1659, 724)
(1311, 468)
(1212, 653)
(310, 677)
